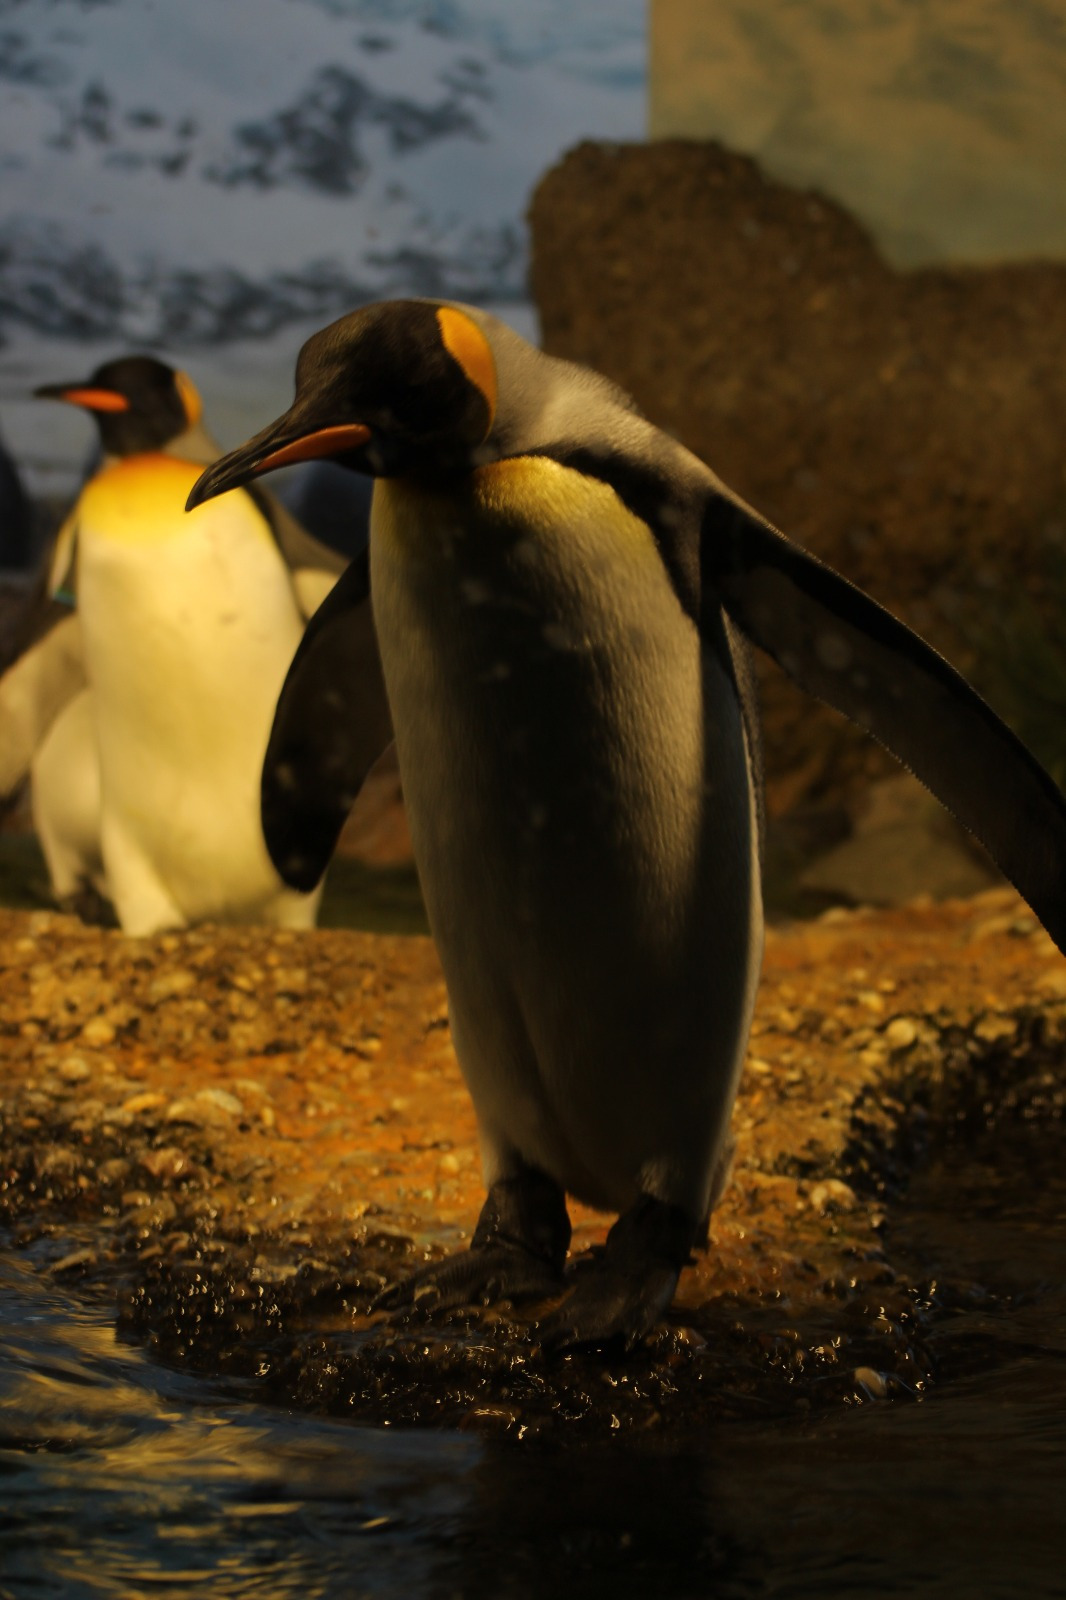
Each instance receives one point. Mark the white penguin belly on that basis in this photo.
(188, 635)
(581, 808)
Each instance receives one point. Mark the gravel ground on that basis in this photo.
(244, 1133)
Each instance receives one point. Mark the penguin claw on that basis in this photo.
(476, 1277)
(607, 1307)
(631, 1283)
(517, 1252)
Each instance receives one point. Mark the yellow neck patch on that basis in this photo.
(190, 398)
(141, 500)
(465, 343)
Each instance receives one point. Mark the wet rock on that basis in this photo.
(167, 1163)
(900, 1033)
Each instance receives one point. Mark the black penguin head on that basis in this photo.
(405, 387)
(139, 403)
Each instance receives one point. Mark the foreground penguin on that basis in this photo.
(557, 587)
(145, 762)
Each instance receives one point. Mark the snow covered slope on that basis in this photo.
(210, 175)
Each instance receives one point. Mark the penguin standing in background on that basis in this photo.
(558, 589)
(146, 761)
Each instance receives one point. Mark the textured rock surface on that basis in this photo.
(250, 1131)
(903, 426)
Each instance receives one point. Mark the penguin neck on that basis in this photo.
(195, 445)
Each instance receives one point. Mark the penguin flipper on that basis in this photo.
(844, 648)
(331, 724)
(44, 680)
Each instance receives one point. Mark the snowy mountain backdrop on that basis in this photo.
(213, 178)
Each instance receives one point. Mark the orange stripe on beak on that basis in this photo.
(323, 442)
(96, 399)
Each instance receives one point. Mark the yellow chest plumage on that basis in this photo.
(141, 501)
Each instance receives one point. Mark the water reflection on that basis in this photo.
(119, 1478)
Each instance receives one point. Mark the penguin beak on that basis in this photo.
(276, 446)
(86, 395)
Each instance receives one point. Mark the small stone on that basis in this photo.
(223, 1100)
(186, 1111)
(832, 1195)
(98, 1031)
(75, 1069)
(149, 1100)
(58, 1162)
(109, 1174)
(449, 1162)
(900, 1033)
(169, 984)
(990, 1028)
(873, 1384)
(166, 1163)
(252, 1086)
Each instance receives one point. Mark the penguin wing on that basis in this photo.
(843, 647)
(331, 724)
(44, 679)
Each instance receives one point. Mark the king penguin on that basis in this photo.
(145, 712)
(560, 593)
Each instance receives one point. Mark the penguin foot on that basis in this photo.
(90, 906)
(517, 1252)
(629, 1287)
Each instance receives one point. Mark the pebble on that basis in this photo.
(990, 1028)
(98, 1031)
(149, 1100)
(111, 1173)
(874, 1384)
(204, 1108)
(900, 1033)
(75, 1069)
(222, 1099)
(832, 1195)
(167, 1163)
(169, 984)
(58, 1162)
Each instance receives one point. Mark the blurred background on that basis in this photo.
(821, 244)
(212, 182)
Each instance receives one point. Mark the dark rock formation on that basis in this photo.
(907, 428)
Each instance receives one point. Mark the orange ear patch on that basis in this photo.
(96, 399)
(323, 442)
(465, 343)
(189, 396)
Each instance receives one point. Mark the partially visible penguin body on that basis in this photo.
(145, 783)
(559, 591)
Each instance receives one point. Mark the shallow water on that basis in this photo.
(123, 1478)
